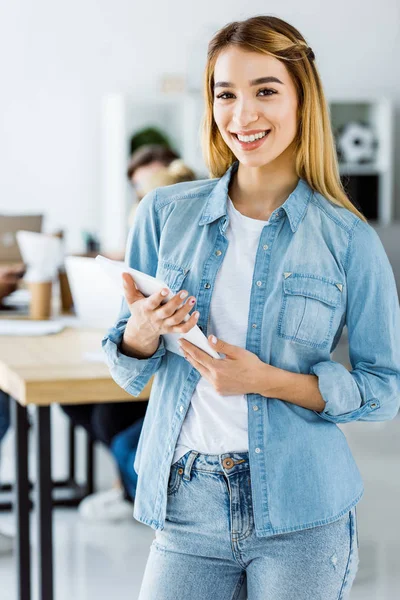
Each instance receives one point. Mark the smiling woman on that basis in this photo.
(242, 470)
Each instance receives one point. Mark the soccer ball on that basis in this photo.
(356, 143)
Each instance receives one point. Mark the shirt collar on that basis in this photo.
(294, 206)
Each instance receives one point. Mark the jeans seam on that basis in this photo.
(351, 552)
(238, 587)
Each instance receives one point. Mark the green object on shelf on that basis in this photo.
(148, 135)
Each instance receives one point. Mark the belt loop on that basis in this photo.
(188, 467)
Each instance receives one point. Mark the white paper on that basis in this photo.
(29, 328)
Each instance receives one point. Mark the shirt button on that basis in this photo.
(207, 286)
(257, 450)
(265, 246)
(218, 253)
(255, 407)
(254, 326)
(181, 409)
(259, 283)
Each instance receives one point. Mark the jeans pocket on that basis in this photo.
(175, 478)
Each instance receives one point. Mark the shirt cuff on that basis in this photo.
(344, 402)
(132, 374)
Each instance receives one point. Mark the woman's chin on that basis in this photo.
(254, 160)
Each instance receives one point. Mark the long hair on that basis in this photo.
(316, 158)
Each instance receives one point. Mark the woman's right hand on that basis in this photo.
(149, 318)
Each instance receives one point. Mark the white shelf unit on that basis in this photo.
(379, 114)
(176, 115)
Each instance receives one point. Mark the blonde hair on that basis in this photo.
(176, 172)
(316, 158)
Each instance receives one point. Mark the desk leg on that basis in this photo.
(44, 502)
(22, 502)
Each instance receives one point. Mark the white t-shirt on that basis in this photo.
(216, 424)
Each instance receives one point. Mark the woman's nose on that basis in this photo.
(244, 115)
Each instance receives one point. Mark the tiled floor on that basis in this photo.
(103, 562)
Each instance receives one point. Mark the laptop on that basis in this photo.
(9, 225)
(97, 300)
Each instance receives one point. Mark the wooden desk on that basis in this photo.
(41, 371)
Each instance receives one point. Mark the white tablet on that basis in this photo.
(149, 285)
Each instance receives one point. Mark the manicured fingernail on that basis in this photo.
(213, 339)
(196, 315)
(164, 292)
(192, 301)
(183, 294)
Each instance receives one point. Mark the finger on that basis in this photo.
(204, 372)
(10, 279)
(223, 347)
(180, 313)
(170, 308)
(131, 292)
(154, 301)
(186, 326)
(198, 355)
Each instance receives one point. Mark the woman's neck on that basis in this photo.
(260, 190)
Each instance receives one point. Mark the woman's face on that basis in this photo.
(245, 103)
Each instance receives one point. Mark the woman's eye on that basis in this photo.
(263, 92)
(224, 94)
(267, 90)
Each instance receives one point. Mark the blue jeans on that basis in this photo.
(4, 414)
(123, 447)
(208, 548)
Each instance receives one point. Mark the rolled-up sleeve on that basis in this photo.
(132, 374)
(371, 390)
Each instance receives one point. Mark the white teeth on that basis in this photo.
(252, 138)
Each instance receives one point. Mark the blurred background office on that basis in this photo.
(85, 86)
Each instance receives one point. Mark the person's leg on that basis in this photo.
(6, 541)
(318, 563)
(176, 576)
(192, 556)
(123, 448)
(80, 414)
(4, 414)
(110, 418)
(110, 421)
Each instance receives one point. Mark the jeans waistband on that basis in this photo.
(223, 464)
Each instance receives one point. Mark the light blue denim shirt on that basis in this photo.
(318, 267)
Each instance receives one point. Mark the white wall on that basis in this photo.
(57, 61)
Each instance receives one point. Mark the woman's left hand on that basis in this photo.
(238, 373)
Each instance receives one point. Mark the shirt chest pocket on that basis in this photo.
(172, 275)
(308, 309)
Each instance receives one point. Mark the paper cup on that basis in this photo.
(40, 305)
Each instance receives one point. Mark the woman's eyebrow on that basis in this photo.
(253, 82)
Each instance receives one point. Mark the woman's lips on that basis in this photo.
(250, 145)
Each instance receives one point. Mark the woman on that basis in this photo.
(242, 470)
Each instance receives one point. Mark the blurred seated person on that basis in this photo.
(9, 278)
(176, 172)
(118, 425)
(144, 162)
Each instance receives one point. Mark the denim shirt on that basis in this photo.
(318, 268)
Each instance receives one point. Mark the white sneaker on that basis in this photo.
(6, 544)
(106, 506)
